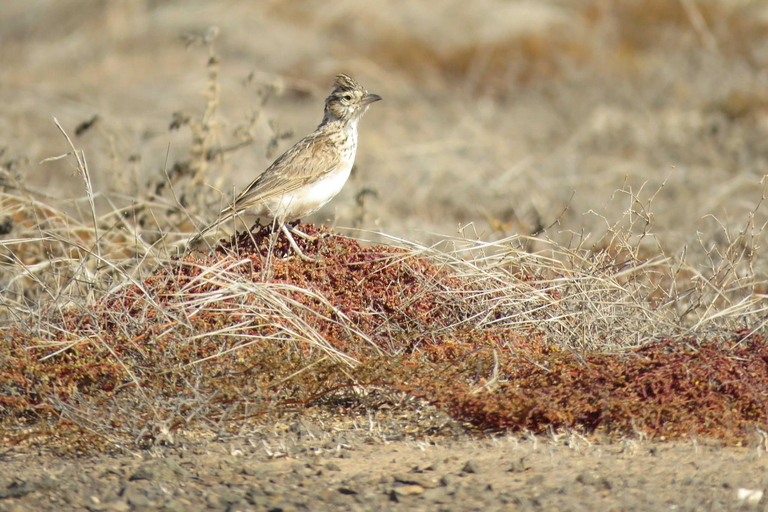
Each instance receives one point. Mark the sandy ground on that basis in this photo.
(309, 468)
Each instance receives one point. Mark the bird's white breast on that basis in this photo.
(300, 203)
(311, 198)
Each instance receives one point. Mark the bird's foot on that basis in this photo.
(288, 230)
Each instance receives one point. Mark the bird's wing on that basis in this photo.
(311, 159)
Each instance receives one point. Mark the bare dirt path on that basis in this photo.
(302, 469)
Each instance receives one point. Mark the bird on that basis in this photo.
(310, 173)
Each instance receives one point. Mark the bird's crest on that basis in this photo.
(344, 82)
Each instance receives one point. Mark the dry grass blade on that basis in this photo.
(82, 170)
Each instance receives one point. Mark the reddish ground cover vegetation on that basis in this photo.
(248, 331)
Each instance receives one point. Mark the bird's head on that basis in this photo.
(348, 101)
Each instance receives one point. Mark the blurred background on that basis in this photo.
(499, 116)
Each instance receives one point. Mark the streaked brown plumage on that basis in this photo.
(313, 171)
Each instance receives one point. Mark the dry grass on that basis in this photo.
(496, 336)
(112, 331)
(618, 339)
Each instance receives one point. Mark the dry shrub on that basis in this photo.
(501, 339)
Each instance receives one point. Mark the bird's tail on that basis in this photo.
(213, 225)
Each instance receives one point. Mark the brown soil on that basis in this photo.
(309, 466)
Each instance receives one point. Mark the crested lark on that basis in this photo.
(313, 171)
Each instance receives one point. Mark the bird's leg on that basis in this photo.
(302, 234)
(295, 247)
(292, 228)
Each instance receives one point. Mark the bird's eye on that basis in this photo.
(347, 97)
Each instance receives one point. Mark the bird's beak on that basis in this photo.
(370, 98)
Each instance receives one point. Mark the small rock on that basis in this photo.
(258, 500)
(229, 497)
(214, 501)
(174, 505)
(507, 498)
(48, 483)
(519, 467)
(333, 497)
(433, 466)
(750, 496)
(408, 490)
(368, 497)
(438, 495)
(600, 483)
(16, 489)
(470, 467)
(303, 471)
(118, 506)
(137, 499)
(416, 480)
(112, 506)
(238, 507)
(270, 489)
(112, 471)
(164, 470)
(257, 471)
(332, 466)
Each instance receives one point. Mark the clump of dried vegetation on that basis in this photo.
(111, 331)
